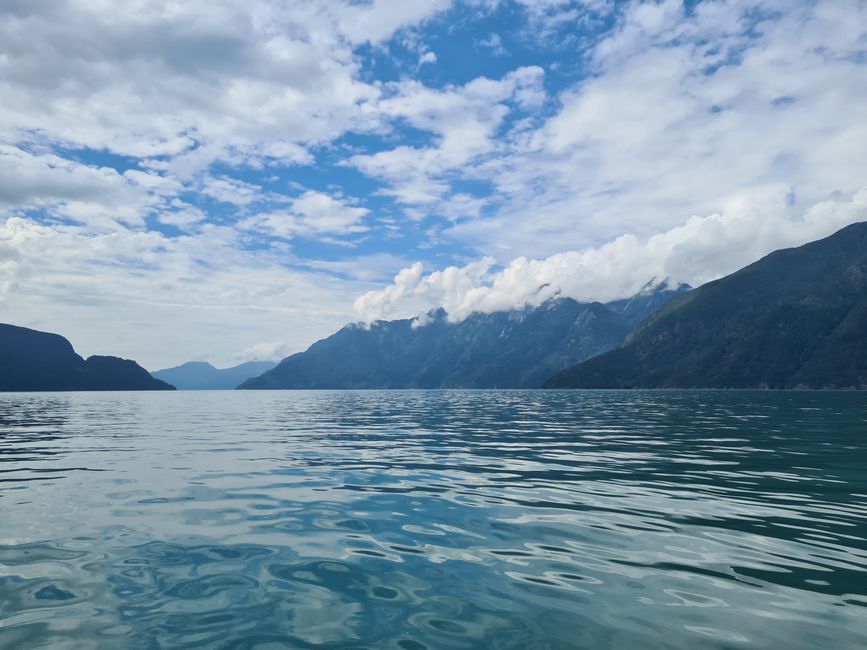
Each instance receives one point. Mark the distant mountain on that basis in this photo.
(796, 318)
(35, 361)
(200, 375)
(513, 349)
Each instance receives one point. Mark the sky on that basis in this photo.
(225, 180)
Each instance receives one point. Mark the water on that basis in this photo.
(412, 520)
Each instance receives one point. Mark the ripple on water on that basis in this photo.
(419, 520)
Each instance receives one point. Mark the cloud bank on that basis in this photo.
(702, 249)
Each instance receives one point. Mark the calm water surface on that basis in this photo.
(412, 520)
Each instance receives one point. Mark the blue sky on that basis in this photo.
(225, 180)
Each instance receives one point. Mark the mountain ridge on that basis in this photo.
(797, 318)
(512, 349)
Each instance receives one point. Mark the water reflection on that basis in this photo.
(456, 519)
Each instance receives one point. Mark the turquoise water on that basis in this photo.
(454, 519)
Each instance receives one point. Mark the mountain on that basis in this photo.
(795, 319)
(199, 375)
(513, 349)
(34, 361)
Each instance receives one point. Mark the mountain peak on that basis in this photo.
(655, 285)
(201, 375)
(204, 365)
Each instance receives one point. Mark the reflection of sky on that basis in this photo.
(332, 516)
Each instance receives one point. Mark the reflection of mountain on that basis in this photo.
(33, 360)
(513, 349)
(199, 375)
(797, 317)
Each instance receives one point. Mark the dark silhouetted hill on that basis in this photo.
(37, 361)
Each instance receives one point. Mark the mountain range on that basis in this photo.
(31, 360)
(797, 318)
(200, 375)
(512, 349)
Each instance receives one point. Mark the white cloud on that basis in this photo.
(231, 190)
(99, 196)
(378, 19)
(270, 351)
(549, 19)
(366, 268)
(427, 57)
(311, 213)
(494, 43)
(212, 80)
(464, 121)
(700, 250)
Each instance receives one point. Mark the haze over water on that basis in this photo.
(443, 519)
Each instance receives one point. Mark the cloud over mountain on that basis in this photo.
(702, 249)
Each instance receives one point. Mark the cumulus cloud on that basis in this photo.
(311, 213)
(379, 19)
(464, 120)
(700, 250)
(224, 78)
(427, 57)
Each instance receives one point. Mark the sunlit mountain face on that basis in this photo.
(234, 180)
